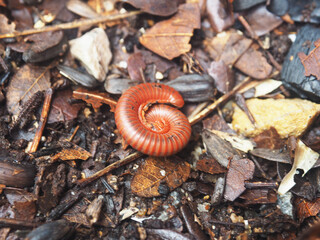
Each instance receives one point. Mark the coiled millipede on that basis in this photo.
(148, 119)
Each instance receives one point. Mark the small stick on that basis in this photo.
(119, 163)
(214, 105)
(17, 224)
(260, 168)
(70, 25)
(43, 120)
(253, 185)
(73, 134)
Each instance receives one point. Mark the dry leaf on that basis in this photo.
(136, 65)
(155, 7)
(24, 83)
(311, 62)
(96, 99)
(254, 64)
(239, 171)
(210, 165)
(170, 38)
(304, 159)
(290, 117)
(228, 46)
(269, 139)
(307, 208)
(5, 26)
(220, 149)
(237, 142)
(147, 180)
(72, 153)
(61, 110)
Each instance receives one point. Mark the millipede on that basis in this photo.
(147, 117)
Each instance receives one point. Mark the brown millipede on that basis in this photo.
(147, 123)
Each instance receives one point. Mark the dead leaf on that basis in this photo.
(155, 7)
(222, 75)
(307, 208)
(6, 27)
(227, 46)
(254, 64)
(170, 38)
(45, 46)
(220, 149)
(220, 15)
(136, 65)
(216, 123)
(24, 83)
(262, 21)
(2, 3)
(311, 62)
(95, 98)
(147, 180)
(72, 153)
(210, 165)
(61, 110)
(269, 139)
(304, 159)
(239, 171)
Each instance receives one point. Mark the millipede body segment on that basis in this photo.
(148, 119)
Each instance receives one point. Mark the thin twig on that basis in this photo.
(43, 120)
(121, 162)
(70, 25)
(214, 105)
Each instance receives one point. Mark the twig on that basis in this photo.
(74, 24)
(121, 162)
(43, 120)
(214, 105)
(18, 224)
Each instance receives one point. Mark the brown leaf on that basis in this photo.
(217, 123)
(96, 99)
(155, 7)
(61, 109)
(5, 26)
(170, 38)
(239, 171)
(259, 196)
(23, 202)
(136, 65)
(307, 208)
(24, 83)
(147, 180)
(228, 47)
(73, 153)
(222, 75)
(269, 139)
(311, 62)
(220, 16)
(46, 45)
(254, 64)
(210, 165)
(262, 21)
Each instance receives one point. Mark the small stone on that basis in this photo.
(93, 51)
